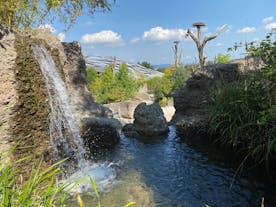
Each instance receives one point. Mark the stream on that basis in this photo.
(169, 173)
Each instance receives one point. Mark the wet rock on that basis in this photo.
(100, 132)
(149, 121)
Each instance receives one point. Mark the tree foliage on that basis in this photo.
(164, 87)
(146, 64)
(32, 13)
(91, 74)
(223, 58)
(109, 87)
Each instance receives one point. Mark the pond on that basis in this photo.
(169, 173)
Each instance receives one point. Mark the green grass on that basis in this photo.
(41, 188)
(243, 114)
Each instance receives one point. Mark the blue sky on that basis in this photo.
(138, 30)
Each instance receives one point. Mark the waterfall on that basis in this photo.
(64, 132)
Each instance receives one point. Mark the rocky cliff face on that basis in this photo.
(190, 100)
(24, 104)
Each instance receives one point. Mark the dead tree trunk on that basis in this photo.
(176, 54)
(200, 46)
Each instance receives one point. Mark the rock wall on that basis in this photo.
(24, 104)
(8, 93)
(190, 100)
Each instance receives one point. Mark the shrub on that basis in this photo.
(223, 58)
(164, 87)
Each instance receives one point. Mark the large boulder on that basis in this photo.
(191, 99)
(149, 122)
(100, 132)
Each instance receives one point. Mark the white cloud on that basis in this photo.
(247, 30)
(61, 36)
(49, 27)
(103, 37)
(158, 34)
(271, 26)
(267, 19)
(135, 40)
(218, 44)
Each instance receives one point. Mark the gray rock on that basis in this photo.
(191, 99)
(100, 132)
(149, 121)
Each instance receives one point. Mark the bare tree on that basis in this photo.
(197, 39)
(177, 55)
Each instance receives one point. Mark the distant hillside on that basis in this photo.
(161, 66)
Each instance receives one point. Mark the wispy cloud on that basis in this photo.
(271, 26)
(135, 40)
(159, 34)
(267, 19)
(103, 37)
(246, 30)
(218, 44)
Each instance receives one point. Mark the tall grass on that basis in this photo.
(243, 114)
(40, 189)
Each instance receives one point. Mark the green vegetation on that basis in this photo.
(32, 13)
(146, 64)
(223, 58)
(109, 87)
(91, 74)
(163, 88)
(39, 189)
(243, 113)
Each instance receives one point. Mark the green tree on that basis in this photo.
(146, 64)
(223, 58)
(91, 74)
(32, 13)
(109, 87)
(126, 82)
(102, 86)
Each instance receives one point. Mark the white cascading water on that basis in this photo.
(64, 132)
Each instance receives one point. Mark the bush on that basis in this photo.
(109, 87)
(223, 58)
(164, 87)
(243, 113)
